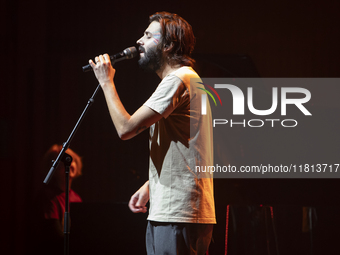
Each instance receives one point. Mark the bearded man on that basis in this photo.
(181, 213)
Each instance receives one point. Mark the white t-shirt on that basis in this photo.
(181, 140)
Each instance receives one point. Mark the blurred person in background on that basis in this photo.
(48, 224)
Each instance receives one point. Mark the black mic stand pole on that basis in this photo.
(67, 160)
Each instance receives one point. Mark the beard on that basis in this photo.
(152, 59)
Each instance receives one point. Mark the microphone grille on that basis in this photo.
(131, 52)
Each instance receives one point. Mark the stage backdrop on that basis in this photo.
(45, 43)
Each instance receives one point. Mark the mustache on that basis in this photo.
(141, 49)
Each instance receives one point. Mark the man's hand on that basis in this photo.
(103, 69)
(139, 199)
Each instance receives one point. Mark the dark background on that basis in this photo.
(45, 43)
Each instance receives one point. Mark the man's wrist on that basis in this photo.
(107, 84)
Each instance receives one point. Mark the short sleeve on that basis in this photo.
(167, 95)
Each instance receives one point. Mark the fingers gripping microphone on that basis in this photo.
(128, 53)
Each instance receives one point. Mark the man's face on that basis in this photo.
(151, 54)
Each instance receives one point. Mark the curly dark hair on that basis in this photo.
(178, 36)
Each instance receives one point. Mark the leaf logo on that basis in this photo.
(209, 93)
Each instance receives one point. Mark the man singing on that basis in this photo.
(181, 213)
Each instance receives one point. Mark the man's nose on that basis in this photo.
(140, 41)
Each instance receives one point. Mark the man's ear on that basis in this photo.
(168, 47)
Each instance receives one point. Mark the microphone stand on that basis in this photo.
(67, 160)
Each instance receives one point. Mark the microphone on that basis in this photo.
(128, 53)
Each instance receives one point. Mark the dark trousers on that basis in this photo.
(177, 238)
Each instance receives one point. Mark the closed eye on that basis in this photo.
(148, 35)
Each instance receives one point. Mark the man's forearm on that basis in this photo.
(146, 183)
(120, 117)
